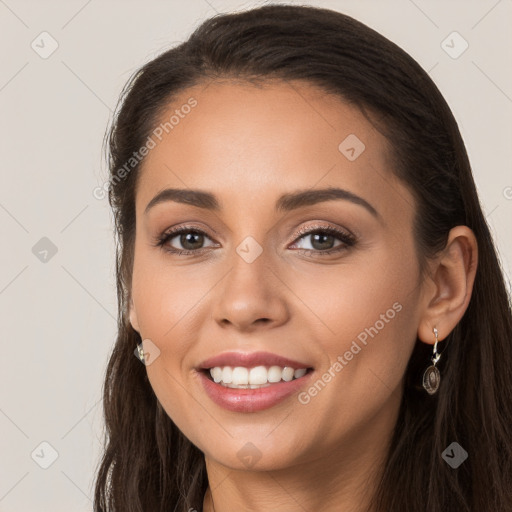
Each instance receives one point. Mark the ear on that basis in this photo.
(452, 276)
(133, 317)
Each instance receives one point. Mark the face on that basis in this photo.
(330, 282)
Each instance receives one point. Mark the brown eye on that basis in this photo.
(323, 240)
(190, 240)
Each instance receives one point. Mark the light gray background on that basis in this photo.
(58, 317)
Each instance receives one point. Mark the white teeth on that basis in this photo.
(227, 375)
(240, 376)
(246, 386)
(299, 373)
(288, 374)
(216, 374)
(256, 377)
(275, 373)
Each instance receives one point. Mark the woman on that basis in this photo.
(305, 271)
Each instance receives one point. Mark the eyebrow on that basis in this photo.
(286, 202)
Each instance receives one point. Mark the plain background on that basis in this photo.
(58, 317)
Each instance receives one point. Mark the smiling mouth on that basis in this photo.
(240, 377)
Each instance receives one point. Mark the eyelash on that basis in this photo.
(348, 240)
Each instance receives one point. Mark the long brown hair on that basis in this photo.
(148, 464)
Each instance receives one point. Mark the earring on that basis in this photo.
(139, 352)
(432, 377)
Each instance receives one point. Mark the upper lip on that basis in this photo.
(250, 360)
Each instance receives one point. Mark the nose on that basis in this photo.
(251, 296)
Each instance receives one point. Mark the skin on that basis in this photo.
(248, 145)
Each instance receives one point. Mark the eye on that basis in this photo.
(322, 240)
(191, 239)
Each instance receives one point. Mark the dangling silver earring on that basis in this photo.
(432, 377)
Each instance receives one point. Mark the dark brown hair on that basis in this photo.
(148, 464)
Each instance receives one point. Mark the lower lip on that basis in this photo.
(252, 400)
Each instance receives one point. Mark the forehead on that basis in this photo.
(244, 141)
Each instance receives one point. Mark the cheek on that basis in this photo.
(168, 302)
(191, 416)
(366, 359)
(350, 296)
(367, 322)
(164, 296)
